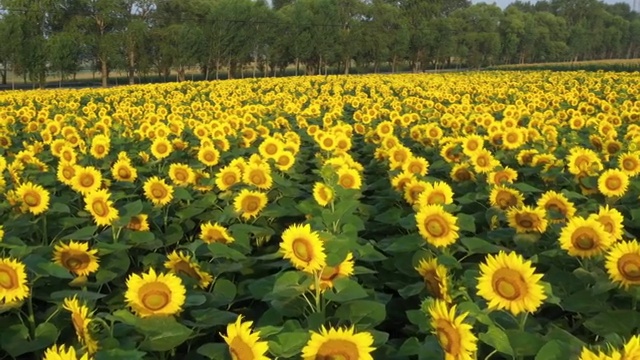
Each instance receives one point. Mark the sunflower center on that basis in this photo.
(100, 149)
(337, 349)
(482, 161)
(613, 183)
(584, 238)
(155, 296)
(330, 272)
(284, 160)
(158, 192)
(628, 266)
(271, 149)
(436, 226)
(433, 284)
(506, 200)
(87, 180)
(525, 221)
(124, 173)
(67, 156)
(240, 350)
(100, 208)
(512, 138)
(415, 168)
(75, 260)
(31, 199)
(607, 223)
(8, 278)
(302, 249)
(629, 164)
(162, 148)
(448, 337)
(509, 284)
(229, 179)
(209, 156)
(472, 145)
(68, 173)
(347, 181)
(257, 177)
(436, 197)
(185, 268)
(251, 204)
(582, 162)
(463, 175)
(181, 175)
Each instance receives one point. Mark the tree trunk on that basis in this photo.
(376, 66)
(217, 69)
(394, 61)
(4, 75)
(103, 73)
(132, 67)
(347, 65)
(297, 66)
(255, 65)
(181, 74)
(232, 69)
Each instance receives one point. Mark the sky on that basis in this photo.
(504, 3)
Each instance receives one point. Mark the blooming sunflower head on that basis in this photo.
(56, 352)
(181, 174)
(153, 294)
(585, 237)
(611, 219)
(303, 247)
(557, 207)
(34, 198)
(623, 263)
(208, 155)
(526, 219)
(244, 343)
(227, 177)
(437, 193)
(508, 282)
(258, 175)
(76, 257)
(181, 263)
(349, 178)
(139, 223)
(453, 334)
(97, 203)
(339, 343)
(285, 160)
(210, 233)
(322, 194)
(161, 148)
(613, 183)
(437, 226)
(86, 180)
(330, 273)
(505, 198)
(158, 191)
(13, 281)
(122, 170)
(249, 203)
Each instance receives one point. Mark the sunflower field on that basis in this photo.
(458, 216)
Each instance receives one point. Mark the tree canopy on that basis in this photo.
(143, 37)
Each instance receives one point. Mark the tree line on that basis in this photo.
(145, 37)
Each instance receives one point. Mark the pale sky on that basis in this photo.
(504, 3)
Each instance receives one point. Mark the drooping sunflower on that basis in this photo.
(623, 263)
(87, 179)
(258, 175)
(56, 352)
(527, 219)
(249, 203)
(139, 223)
(437, 226)
(330, 273)
(208, 155)
(34, 197)
(437, 193)
(76, 257)
(322, 194)
(505, 198)
(97, 203)
(81, 319)
(210, 233)
(182, 263)
(244, 343)
(584, 237)
(435, 278)
(349, 178)
(161, 148)
(151, 294)
(122, 170)
(629, 163)
(13, 281)
(454, 335)
(508, 282)
(339, 343)
(416, 165)
(613, 183)
(557, 207)
(181, 174)
(158, 191)
(303, 247)
(227, 177)
(611, 219)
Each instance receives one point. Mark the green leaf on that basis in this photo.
(216, 351)
(524, 343)
(526, 188)
(419, 318)
(210, 317)
(362, 312)
(80, 294)
(497, 339)
(219, 250)
(118, 354)
(55, 270)
(401, 244)
(345, 289)
(288, 285)
(288, 345)
(224, 291)
(410, 347)
(180, 193)
(553, 350)
(85, 233)
(621, 322)
(143, 240)
(411, 290)
(132, 208)
(477, 245)
(59, 208)
(162, 333)
(467, 223)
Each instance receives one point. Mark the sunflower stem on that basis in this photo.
(318, 293)
(52, 315)
(523, 321)
(490, 354)
(44, 229)
(31, 317)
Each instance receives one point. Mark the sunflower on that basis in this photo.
(623, 263)
(413, 189)
(303, 248)
(76, 257)
(504, 198)
(181, 174)
(122, 170)
(100, 145)
(585, 237)
(349, 178)
(416, 165)
(504, 176)
(557, 207)
(437, 193)
(210, 233)
(81, 319)
(139, 223)
(34, 197)
(471, 144)
(68, 154)
(258, 175)
(243, 343)
(227, 177)
(158, 191)
(632, 348)
(56, 352)
(270, 147)
(339, 343)
(513, 138)
(629, 163)
(611, 219)
(508, 282)
(209, 155)
(461, 173)
(13, 281)
(331, 273)
(100, 207)
(181, 263)
(613, 183)
(399, 181)
(583, 160)
(87, 179)
(161, 148)
(151, 294)
(435, 278)
(587, 354)
(483, 161)
(249, 203)
(322, 194)
(284, 160)
(437, 226)
(527, 219)
(454, 335)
